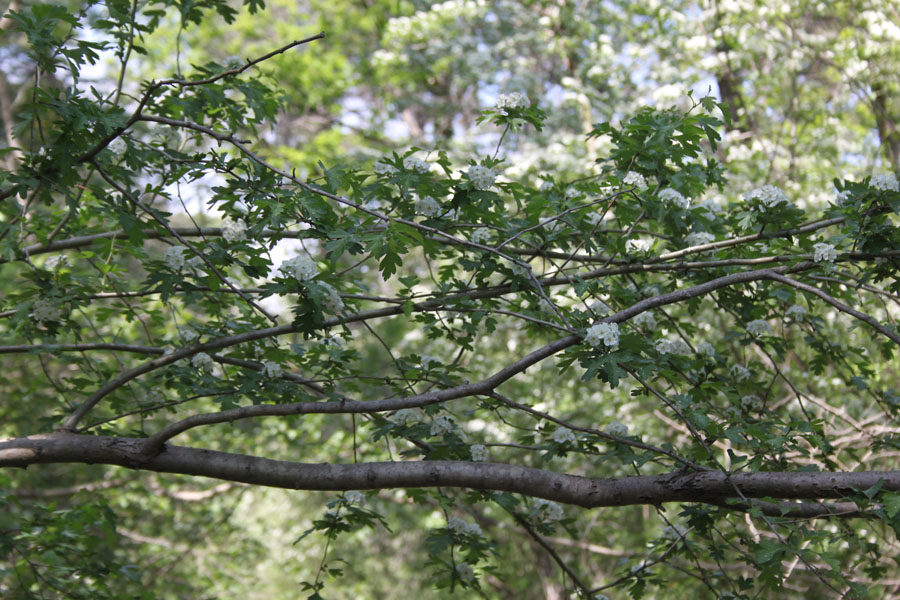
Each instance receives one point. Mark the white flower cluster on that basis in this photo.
(599, 308)
(442, 425)
(118, 147)
(739, 373)
(428, 361)
(355, 498)
(673, 532)
(481, 235)
(884, 181)
(637, 246)
(795, 312)
(573, 193)
(671, 196)
(479, 452)
(596, 217)
(564, 435)
(512, 100)
(203, 361)
(482, 178)
(551, 224)
(411, 163)
(43, 310)
(824, 252)
(546, 186)
(465, 572)
(698, 238)
(676, 347)
(57, 262)
(384, 169)
(333, 302)
(710, 207)
(300, 267)
(635, 179)
(408, 416)
(607, 333)
(463, 527)
(840, 198)
(234, 231)
(547, 511)
(617, 429)
(174, 258)
(428, 206)
(769, 195)
(751, 403)
(645, 319)
(758, 327)
(272, 369)
(188, 335)
(706, 348)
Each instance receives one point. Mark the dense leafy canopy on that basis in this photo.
(533, 299)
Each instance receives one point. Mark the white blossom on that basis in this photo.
(428, 361)
(355, 498)
(547, 510)
(174, 258)
(411, 163)
(824, 252)
(332, 302)
(428, 206)
(118, 147)
(44, 310)
(481, 235)
(512, 100)
(479, 452)
(234, 231)
(769, 195)
(607, 333)
(442, 425)
(673, 532)
(573, 192)
(671, 196)
(300, 267)
(203, 361)
(840, 198)
(407, 416)
(272, 369)
(546, 186)
(884, 181)
(676, 347)
(706, 348)
(188, 335)
(699, 238)
(482, 178)
(551, 224)
(739, 372)
(384, 169)
(710, 208)
(617, 429)
(751, 403)
(635, 179)
(758, 327)
(637, 246)
(795, 312)
(57, 262)
(465, 572)
(595, 218)
(645, 319)
(463, 527)
(599, 308)
(564, 435)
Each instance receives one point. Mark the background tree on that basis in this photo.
(390, 261)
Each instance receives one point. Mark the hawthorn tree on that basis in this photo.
(441, 344)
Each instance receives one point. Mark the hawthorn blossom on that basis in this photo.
(442, 425)
(699, 238)
(607, 333)
(234, 231)
(739, 373)
(272, 369)
(706, 348)
(203, 361)
(645, 319)
(465, 572)
(617, 429)
(769, 195)
(546, 186)
(188, 335)
(670, 196)
(44, 310)
(637, 245)
(463, 527)
(751, 403)
(479, 452)
(481, 235)
(758, 327)
(428, 206)
(795, 312)
(355, 498)
(405, 416)
(547, 510)
(676, 347)
(884, 181)
(840, 198)
(411, 163)
(599, 308)
(482, 178)
(572, 193)
(54, 263)
(635, 179)
(824, 252)
(332, 301)
(511, 101)
(673, 532)
(384, 169)
(428, 360)
(300, 267)
(564, 435)
(174, 258)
